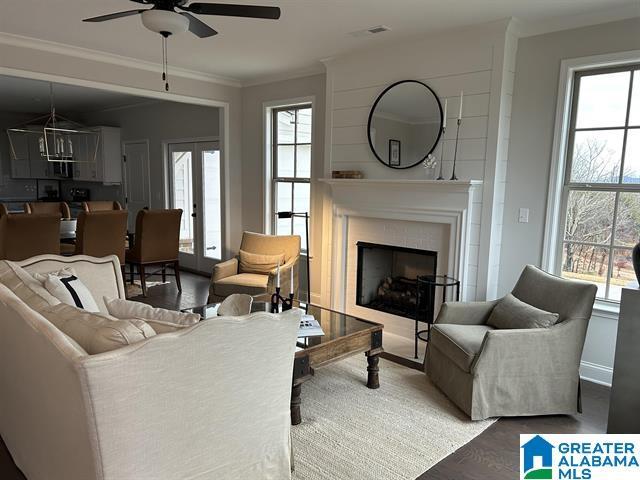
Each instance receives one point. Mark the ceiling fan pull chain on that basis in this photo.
(166, 65)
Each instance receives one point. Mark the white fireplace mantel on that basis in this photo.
(443, 202)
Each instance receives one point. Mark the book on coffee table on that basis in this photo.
(309, 327)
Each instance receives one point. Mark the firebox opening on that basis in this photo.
(387, 278)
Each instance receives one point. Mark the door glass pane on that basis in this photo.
(304, 161)
(622, 274)
(634, 114)
(212, 196)
(589, 216)
(182, 164)
(597, 156)
(286, 123)
(628, 220)
(585, 262)
(632, 156)
(285, 161)
(602, 100)
(304, 126)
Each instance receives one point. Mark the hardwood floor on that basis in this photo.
(492, 454)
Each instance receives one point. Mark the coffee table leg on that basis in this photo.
(373, 381)
(296, 418)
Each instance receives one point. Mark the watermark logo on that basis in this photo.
(580, 457)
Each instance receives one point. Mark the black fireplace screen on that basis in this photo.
(387, 279)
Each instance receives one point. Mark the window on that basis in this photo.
(291, 167)
(601, 192)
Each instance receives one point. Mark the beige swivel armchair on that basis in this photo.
(491, 372)
(234, 276)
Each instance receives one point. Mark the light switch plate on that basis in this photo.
(523, 216)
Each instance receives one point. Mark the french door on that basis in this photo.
(196, 186)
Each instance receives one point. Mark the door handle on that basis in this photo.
(193, 215)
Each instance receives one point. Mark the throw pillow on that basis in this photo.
(257, 263)
(160, 319)
(96, 333)
(66, 287)
(24, 286)
(511, 312)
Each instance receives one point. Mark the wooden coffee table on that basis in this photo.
(344, 336)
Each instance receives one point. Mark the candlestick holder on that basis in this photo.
(455, 151)
(277, 299)
(440, 177)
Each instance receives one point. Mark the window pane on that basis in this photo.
(628, 221)
(212, 204)
(602, 100)
(304, 161)
(286, 124)
(634, 114)
(182, 165)
(589, 216)
(622, 274)
(632, 156)
(299, 229)
(284, 197)
(304, 126)
(302, 196)
(584, 262)
(283, 226)
(285, 161)
(597, 156)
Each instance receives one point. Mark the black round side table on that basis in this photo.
(427, 285)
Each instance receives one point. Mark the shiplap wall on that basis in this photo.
(478, 61)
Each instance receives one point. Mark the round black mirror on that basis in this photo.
(405, 124)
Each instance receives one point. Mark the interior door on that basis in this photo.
(196, 187)
(136, 179)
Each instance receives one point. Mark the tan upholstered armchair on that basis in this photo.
(491, 372)
(229, 277)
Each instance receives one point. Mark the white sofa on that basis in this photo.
(208, 402)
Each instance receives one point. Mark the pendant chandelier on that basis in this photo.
(58, 139)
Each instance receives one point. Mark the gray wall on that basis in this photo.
(253, 167)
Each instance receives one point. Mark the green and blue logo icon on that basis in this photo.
(537, 459)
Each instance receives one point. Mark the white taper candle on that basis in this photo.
(444, 120)
(460, 112)
(291, 290)
(278, 276)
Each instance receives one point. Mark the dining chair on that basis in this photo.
(3, 210)
(101, 205)
(102, 233)
(25, 236)
(60, 208)
(156, 244)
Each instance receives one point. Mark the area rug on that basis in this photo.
(136, 289)
(396, 432)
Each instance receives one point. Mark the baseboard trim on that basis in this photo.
(595, 373)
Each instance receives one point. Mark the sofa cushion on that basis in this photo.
(24, 286)
(461, 343)
(258, 263)
(160, 319)
(68, 288)
(249, 283)
(513, 313)
(94, 332)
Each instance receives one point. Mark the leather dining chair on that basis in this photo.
(25, 236)
(61, 208)
(3, 210)
(156, 244)
(101, 206)
(99, 234)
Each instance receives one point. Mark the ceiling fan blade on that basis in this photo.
(112, 16)
(198, 27)
(233, 10)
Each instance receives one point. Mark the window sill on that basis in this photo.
(606, 309)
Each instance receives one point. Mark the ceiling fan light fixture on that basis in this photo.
(164, 21)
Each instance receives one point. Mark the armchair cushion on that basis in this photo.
(513, 313)
(259, 263)
(460, 343)
(249, 283)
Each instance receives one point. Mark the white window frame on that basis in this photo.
(268, 162)
(551, 252)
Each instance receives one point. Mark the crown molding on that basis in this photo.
(20, 41)
(291, 75)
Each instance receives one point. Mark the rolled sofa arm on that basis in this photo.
(466, 313)
(520, 352)
(225, 269)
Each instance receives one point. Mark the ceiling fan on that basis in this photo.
(170, 17)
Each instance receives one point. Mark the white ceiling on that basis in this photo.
(22, 95)
(309, 30)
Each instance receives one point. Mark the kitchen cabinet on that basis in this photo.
(107, 167)
(38, 165)
(20, 167)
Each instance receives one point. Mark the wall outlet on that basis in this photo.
(523, 216)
